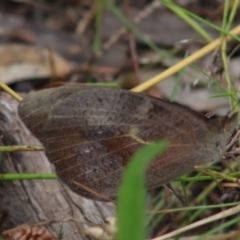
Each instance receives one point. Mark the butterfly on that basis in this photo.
(90, 134)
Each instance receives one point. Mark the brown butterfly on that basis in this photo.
(90, 134)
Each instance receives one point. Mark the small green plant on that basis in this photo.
(60, 233)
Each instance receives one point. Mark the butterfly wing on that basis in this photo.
(90, 133)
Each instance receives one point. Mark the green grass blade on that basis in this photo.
(26, 176)
(190, 21)
(208, 23)
(131, 201)
(220, 228)
(98, 24)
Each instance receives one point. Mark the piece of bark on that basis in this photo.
(39, 200)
